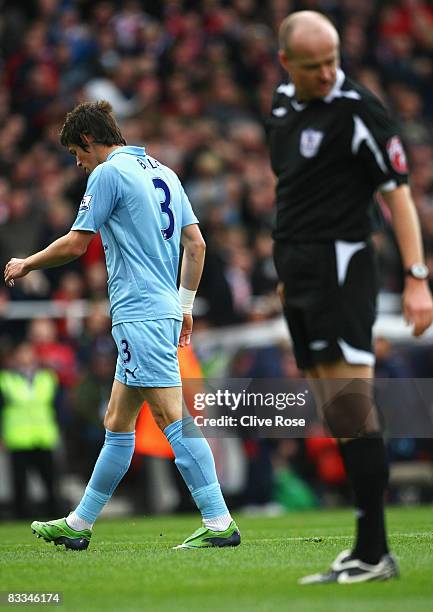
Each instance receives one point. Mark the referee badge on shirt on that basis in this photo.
(310, 142)
(85, 203)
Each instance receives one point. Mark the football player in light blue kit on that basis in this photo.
(143, 215)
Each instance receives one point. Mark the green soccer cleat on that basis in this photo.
(59, 532)
(207, 538)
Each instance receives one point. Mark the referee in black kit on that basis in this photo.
(332, 146)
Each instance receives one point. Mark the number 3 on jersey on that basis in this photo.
(165, 207)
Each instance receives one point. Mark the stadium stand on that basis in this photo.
(192, 81)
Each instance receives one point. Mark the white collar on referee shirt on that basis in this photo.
(288, 89)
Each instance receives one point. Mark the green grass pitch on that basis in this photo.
(130, 565)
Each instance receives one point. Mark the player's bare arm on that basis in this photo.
(417, 298)
(191, 271)
(61, 251)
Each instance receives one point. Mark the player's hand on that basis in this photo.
(186, 331)
(417, 305)
(15, 268)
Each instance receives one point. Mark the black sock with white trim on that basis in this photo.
(366, 464)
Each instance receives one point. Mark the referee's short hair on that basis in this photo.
(94, 119)
(290, 22)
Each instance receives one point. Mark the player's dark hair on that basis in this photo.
(94, 119)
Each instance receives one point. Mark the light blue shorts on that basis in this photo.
(147, 353)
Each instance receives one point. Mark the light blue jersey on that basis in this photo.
(139, 206)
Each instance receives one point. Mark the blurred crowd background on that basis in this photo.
(192, 81)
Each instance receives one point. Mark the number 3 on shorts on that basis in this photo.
(125, 351)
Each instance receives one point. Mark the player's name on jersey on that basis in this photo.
(148, 162)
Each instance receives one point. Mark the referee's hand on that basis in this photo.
(417, 305)
(280, 292)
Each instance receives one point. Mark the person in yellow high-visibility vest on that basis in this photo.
(28, 425)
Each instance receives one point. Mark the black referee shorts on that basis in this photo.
(330, 300)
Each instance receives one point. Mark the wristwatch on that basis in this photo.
(418, 271)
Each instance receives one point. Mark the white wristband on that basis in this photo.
(186, 299)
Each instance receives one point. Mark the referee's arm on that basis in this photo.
(417, 299)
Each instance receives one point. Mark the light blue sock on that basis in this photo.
(112, 464)
(194, 460)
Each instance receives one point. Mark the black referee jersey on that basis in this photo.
(330, 155)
